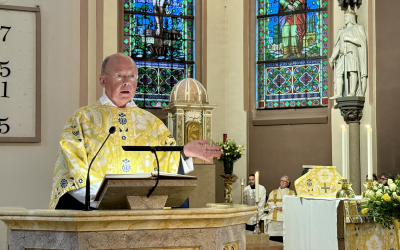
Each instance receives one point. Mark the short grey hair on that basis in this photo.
(104, 64)
(286, 177)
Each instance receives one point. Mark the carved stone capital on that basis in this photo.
(351, 115)
(351, 108)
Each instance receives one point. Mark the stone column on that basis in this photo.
(351, 109)
(354, 156)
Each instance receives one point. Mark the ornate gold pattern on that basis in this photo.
(369, 235)
(179, 139)
(321, 181)
(232, 246)
(354, 214)
(275, 215)
(228, 180)
(361, 232)
(208, 128)
(193, 132)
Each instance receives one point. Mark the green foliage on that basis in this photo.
(174, 23)
(269, 56)
(144, 8)
(139, 42)
(232, 151)
(384, 202)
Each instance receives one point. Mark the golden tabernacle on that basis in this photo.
(320, 181)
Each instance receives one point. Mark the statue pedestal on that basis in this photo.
(351, 109)
(228, 180)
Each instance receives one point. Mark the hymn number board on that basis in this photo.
(20, 74)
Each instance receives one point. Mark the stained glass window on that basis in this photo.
(159, 36)
(292, 46)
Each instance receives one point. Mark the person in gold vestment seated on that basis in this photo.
(88, 128)
(275, 203)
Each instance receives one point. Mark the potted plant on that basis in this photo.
(384, 204)
(231, 153)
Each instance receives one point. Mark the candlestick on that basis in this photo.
(257, 187)
(242, 185)
(369, 151)
(344, 152)
(346, 191)
(370, 188)
(257, 227)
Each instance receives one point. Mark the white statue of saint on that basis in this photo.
(349, 58)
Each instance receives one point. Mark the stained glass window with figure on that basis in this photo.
(159, 36)
(291, 47)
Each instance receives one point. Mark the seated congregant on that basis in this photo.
(384, 178)
(249, 198)
(275, 203)
(88, 128)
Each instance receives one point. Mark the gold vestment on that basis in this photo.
(87, 129)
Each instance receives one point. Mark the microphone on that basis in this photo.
(87, 196)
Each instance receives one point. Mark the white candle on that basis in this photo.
(344, 152)
(369, 151)
(257, 187)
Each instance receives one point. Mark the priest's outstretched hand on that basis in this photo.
(199, 149)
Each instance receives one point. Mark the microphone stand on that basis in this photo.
(154, 150)
(87, 195)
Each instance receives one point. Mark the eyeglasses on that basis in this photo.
(383, 178)
(284, 181)
(119, 77)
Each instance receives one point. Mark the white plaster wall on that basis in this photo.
(27, 168)
(225, 77)
(369, 112)
(110, 28)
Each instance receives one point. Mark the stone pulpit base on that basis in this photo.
(194, 228)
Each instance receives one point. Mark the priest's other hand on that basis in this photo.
(278, 208)
(200, 150)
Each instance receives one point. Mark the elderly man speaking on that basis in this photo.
(85, 131)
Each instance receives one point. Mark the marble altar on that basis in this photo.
(212, 227)
(331, 224)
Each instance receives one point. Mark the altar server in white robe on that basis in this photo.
(275, 215)
(249, 198)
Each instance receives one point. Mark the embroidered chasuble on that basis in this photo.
(275, 217)
(320, 181)
(87, 129)
(249, 198)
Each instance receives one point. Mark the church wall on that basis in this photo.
(27, 168)
(387, 87)
(225, 78)
(277, 150)
(365, 17)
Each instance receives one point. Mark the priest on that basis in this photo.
(275, 215)
(249, 198)
(88, 128)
